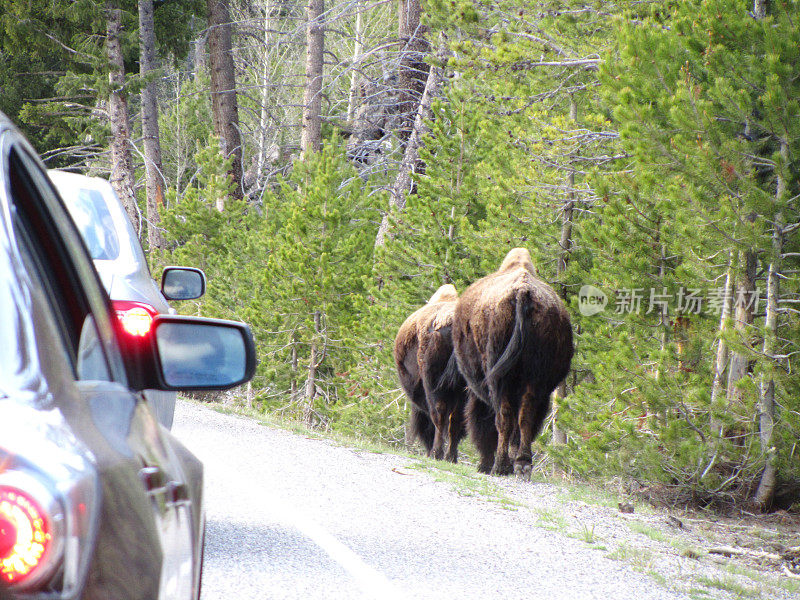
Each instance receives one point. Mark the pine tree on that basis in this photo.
(694, 90)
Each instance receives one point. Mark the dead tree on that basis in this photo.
(225, 107)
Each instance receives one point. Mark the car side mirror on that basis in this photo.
(191, 354)
(196, 355)
(183, 283)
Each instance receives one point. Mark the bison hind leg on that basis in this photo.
(482, 431)
(439, 417)
(533, 411)
(505, 423)
(422, 428)
(456, 431)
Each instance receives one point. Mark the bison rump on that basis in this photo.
(513, 342)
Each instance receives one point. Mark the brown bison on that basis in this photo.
(426, 366)
(513, 341)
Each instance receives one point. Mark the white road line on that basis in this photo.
(371, 581)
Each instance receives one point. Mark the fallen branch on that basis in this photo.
(731, 551)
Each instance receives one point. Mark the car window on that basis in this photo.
(74, 291)
(91, 215)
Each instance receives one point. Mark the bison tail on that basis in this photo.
(516, 345)
(451, 377)
(422, 427)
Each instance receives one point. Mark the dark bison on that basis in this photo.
(426, 366)
(513, 341)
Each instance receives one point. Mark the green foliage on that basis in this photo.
(694, 104)
(185, 126)
(298, 272)
(55, 67)
(663, 128)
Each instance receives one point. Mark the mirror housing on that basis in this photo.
(182, 283)
(190, 354)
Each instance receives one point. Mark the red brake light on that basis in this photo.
(24, 535)
(136, 317)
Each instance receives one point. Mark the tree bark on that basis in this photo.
(743, 323)
(413, 71)
(766, 404)
(565, 247)
(354, 76)
(311, 135)
(262, 122)
(224, 105)
(411, 162)
(317, 356)
(122, 175)
(721, 360)
(293, 383)
(154, 176)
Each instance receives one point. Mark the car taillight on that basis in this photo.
(136, 317)
(31, 535)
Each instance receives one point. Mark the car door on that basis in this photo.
(146, 527)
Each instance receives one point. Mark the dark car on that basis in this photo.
(119, 259)
(97, 500)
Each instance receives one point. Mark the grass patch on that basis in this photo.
(658, 578)
(639, 558)
(601, 547)
(764, 579)
(465, 481)
(580, 492)
(551, 520)
(728, 584)
(586, 533)
(300, 428)
(689, 552)
(654, 534)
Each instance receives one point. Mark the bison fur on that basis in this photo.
(428, 373)
(513, 343)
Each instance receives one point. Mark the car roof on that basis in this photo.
(86, 181)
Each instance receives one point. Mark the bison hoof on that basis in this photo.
(523, 471)
(485, 467)
(502, 466)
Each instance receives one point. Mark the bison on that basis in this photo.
(426, 366)
(513, 343)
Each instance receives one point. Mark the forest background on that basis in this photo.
(330, 164)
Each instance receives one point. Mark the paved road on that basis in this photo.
(293, 517)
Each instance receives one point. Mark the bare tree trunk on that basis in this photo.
(743, 322)
(311, 135)
(721, 361)
(411, 162)
(122, 175)
(311, 386)
(293, 383)
(198, 55)
(411, 78)
(565, 243)
(354, 76)
(766, 404)
(262, 121)
(313, 364)
(249, 395)
(225, 107)
(663, 318)
(565, 246)
(154, 176)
